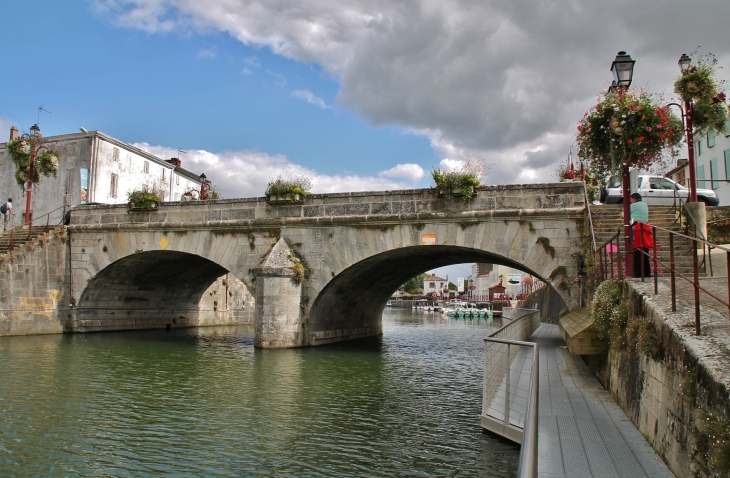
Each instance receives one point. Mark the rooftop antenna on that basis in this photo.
(41, 108)
(179, 153)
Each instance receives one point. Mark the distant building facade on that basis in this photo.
(435, 284)
(94, 167)
(712, 164)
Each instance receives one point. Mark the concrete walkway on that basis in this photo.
(582, 432)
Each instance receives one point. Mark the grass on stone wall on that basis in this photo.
(712, 433)
(610, 313)
(545, 243)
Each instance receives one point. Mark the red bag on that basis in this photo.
(643, 236)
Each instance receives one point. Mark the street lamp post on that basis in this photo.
(623, 72)
(685, 62)
(203, 183)
(33, 138)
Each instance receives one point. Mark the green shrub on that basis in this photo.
(606, 299)
(712, 432)
(461, 181)
(288, 188)
(144, 198)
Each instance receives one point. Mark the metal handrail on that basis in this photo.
(590, 217)
(29, 236)
(529, 438)
(695, 268)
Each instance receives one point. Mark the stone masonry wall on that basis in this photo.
(34, 287)
(667, 395)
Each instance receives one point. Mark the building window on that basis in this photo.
(711, 139)
(698, 147)
(727, 164)
(146, 167)
(115, 154)
(177, 179)
(713, 173)
(114, 186)
(701, 176)
(432, 285)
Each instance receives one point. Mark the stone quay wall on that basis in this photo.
(35, 295)
(673, 386)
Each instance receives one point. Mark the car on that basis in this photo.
(656, 190)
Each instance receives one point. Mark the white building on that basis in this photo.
(712, 164)
(435, 284)
(479, 278)
(97, 168)
(485, 276)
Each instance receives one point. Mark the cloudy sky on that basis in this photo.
(357, 94)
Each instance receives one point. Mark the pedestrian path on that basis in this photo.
(582, 432)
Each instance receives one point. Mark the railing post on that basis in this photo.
(671, 272)
(697, 287)
(641, 251)
(656, 281)
(620, 262)
(728, 275)
(507, 391)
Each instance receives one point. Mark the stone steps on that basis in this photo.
(19, 236)
(607, 221)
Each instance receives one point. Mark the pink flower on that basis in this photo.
(648, 128)
(659, 126)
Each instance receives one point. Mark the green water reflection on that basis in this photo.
(204, 402)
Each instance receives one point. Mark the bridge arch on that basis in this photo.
(158, 288)
(355, 298)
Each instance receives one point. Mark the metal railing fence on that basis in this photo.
(22, 234)
(510, 390)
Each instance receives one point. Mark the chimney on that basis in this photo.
(13, 133)
(175, 162)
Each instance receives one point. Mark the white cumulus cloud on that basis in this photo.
(411, 172)
(310, 98)
(506, 80)
(246, 173)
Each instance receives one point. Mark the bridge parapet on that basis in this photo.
(407, 204)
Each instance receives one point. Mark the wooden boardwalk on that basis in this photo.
(582, 432)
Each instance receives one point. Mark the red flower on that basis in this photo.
(630, 142)
(640, 139)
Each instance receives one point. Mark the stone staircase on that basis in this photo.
(607, 220)
(19, 236)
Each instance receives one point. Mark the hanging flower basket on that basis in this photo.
(700, 86)
(631, 129)
(46, 162)
(708, 116)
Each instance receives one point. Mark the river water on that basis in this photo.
(204, 402)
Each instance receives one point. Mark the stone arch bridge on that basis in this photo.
(320, 271)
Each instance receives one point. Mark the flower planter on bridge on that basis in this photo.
(288, 199)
